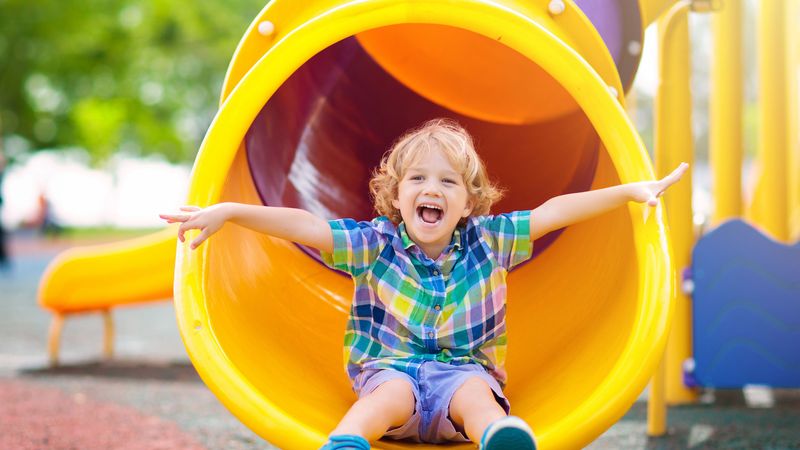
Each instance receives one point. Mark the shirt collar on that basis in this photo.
(407, 242)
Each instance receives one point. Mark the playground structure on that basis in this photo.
(772, 211)
(98, 278)
(315, 93)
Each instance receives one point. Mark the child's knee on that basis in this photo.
(475, 387)
(473, 394)
(397, 396)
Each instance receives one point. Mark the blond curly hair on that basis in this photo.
(440, 134)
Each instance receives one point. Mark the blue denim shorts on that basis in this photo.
(433, 390)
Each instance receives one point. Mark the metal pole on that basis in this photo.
(793, 96)
(726, 112)
(770, 206)
(673, 144)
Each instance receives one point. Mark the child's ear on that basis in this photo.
(468, 208)
(396, 204)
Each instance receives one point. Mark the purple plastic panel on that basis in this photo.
(619, 23)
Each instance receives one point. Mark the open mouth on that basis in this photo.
(431, 214)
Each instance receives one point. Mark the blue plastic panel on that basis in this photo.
(746, 309)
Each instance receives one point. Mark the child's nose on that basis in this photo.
(432, 190)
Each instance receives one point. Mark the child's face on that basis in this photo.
(432, 198)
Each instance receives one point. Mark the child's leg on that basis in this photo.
(390, 405)
(474, 407)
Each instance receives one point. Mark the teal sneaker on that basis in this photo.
(508, 433)
(346, 442)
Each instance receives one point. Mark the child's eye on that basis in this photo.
(448, 180)
(416, 177)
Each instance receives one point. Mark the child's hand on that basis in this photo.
(650, 191)
(208, 221)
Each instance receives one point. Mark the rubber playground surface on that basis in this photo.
(150, 397)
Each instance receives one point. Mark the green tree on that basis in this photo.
(143, 77)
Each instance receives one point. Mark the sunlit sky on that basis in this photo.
(127, 193)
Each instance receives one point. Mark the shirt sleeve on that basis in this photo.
(356, 245)
(509, 237)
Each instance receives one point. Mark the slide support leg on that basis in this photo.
(108, 334)
(54, 341)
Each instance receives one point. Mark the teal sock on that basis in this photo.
(346, 442)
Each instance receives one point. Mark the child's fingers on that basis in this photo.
(672, 178)
(172, 218)
(676, 174)
(185, 226)
(664, 184)
(200, 238)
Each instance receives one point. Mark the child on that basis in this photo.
(426, 339)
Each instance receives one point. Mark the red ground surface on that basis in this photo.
(36, 417)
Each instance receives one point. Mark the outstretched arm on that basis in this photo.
(292, 224)
(564, 210)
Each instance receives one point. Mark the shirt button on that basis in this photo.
(436, 272)
(437, 307)
(430, 334)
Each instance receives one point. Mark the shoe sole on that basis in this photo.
(513, 439)
(516, 436)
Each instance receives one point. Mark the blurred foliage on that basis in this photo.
(140, 77)
(103, 233)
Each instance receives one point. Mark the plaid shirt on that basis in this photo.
(408, 308)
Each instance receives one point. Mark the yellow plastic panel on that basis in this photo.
(509, 82)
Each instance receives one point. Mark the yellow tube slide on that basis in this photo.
(308, 111)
